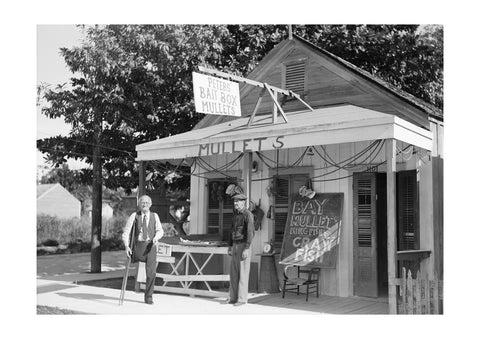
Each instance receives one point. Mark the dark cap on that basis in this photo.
(240, 196)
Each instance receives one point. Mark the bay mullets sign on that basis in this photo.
(216, 96)
(312, 231)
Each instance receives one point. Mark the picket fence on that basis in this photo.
(420, 295)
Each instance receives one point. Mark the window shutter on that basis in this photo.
(295, 77)
(220, 209)
(408, 230)
(364, 235)
(365, 208)
(286, 187)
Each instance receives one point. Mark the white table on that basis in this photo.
(189, 262)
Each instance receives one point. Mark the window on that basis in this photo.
(286, 186)
(407, 212)
(220, 208)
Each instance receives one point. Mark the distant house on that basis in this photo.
(55, 200)
(107, 210)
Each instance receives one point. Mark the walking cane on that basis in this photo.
(124, 282)
(127, 266)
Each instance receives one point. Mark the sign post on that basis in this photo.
(216, 96)
(312, 232)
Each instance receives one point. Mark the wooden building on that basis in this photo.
(379, 146)
(55, 200)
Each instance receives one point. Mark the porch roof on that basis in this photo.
(323, 126)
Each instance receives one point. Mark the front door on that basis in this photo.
(369, 234)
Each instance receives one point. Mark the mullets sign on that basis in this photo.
(246, 145)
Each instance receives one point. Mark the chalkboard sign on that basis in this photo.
(312, 232)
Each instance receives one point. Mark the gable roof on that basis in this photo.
(44, 188)
(415, 103)
(423, 105)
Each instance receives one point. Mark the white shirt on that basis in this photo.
(141, 236)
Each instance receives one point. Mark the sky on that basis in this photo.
(51, 69)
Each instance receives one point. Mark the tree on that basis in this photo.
(62, 175)
(407, 56)
(129, 87)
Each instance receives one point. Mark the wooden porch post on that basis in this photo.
(141, 191)
(390, 153)
(247, 175)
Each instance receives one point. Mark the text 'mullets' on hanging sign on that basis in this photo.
(216, 96)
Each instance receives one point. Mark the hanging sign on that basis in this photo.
(216, 96)
(312, 232)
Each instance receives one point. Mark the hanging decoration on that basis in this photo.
(233, 189)
(306, 192)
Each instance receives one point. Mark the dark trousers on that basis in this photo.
(147, 252)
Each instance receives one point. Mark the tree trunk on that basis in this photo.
(96, 249)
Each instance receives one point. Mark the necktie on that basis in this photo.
(144, 227)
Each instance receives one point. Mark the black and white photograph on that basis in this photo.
(230, 172)
(263, 159)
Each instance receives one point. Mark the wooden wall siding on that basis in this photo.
(437, 130)
(328, 83)
(345, 254)
(59, 202)
(440, 140)
(437, 178)
(338, 281)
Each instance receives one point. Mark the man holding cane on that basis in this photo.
(147, 230)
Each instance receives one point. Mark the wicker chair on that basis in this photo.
(306, 276)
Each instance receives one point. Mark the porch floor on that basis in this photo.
(324, 303)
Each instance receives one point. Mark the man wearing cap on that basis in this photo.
(239, 249)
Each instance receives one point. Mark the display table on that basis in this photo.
(187, 265)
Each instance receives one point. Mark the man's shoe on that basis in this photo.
(240, 303)
(228, 301)
(149, 301)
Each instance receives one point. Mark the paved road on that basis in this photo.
(70, 265)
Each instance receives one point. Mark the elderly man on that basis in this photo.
(240, 240)
(147, 230)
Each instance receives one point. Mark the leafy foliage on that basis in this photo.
(138, 78)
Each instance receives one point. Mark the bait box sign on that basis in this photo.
(216, 96)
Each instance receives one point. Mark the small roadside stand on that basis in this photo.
(348, 170)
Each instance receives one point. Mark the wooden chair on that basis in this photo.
(306, 276)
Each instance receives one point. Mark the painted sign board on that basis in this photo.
(216, 96)
(246, 145)
(312, 232)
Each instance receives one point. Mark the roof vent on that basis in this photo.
(295, 77)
